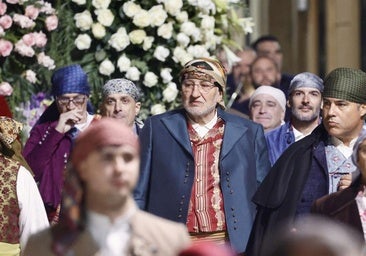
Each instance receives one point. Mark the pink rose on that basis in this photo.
(29, 39)
(6, 21)
(3, 7)
(40, 39)
(31, 12)
(23, 49)
(5, 89)
(51, 22)
(5, 47)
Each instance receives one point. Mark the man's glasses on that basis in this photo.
(77, 101)
(203, 86)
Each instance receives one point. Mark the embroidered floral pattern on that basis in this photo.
(9, 209)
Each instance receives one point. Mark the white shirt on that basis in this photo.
(202, 130)
(111, 237)
(345, 150)
(33, 217)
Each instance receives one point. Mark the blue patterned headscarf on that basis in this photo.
(70, 79)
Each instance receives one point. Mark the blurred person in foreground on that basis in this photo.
(121, 100)
(201, 165)
(315, 236)
(305, 99)
(48, 147)
(21, 209)
(316, 165)
(99, 215)
(267, 107)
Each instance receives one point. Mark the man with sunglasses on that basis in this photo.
(48, 148)
(201, 165)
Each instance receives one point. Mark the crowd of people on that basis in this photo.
(256, 162)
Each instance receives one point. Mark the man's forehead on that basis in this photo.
(119, 96)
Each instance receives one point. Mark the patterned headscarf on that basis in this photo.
(104, 132)
(121, 85)
(211, 69)
(70, 79)
(11, 145)
(346, 84)
(306, 79)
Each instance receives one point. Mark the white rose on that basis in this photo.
(198, 51)
(147, 43)
(161, 53)
(182, 17)
(98, 30)
(31, 76)
(133, 74)
(141, 19)
(207, 22)
(45, 61)
(196, 34)
(104, 16)
(166, 30)
(83, 20)
(137, 36)
(183, 40)
(123, 63)
(170, 92)
(83, 41)
(166, 75)
(181, 56)
(150, 79)
(106, 67)
(130, 9)
(79, 2)
(157, 16)
(173, 6)
(101, 4)
(157, 109)
(119, 40)
(206, 6)
(187, 27)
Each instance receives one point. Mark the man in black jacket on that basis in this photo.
(313, 166)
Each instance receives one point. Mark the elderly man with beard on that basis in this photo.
(305, 102)
(201, 165)
(313, 166)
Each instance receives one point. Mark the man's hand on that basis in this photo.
(345, 181)
(68, 119)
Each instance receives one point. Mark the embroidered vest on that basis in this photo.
(206, 207)
(9, 209)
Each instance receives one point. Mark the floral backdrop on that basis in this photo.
(145, 41)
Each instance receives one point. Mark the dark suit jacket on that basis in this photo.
(151, 235)
(168, 169)
(278, 196)
(341, 206)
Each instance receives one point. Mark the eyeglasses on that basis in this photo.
(203, 86)
(77, 101)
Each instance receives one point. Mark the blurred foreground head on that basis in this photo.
(315, 236)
